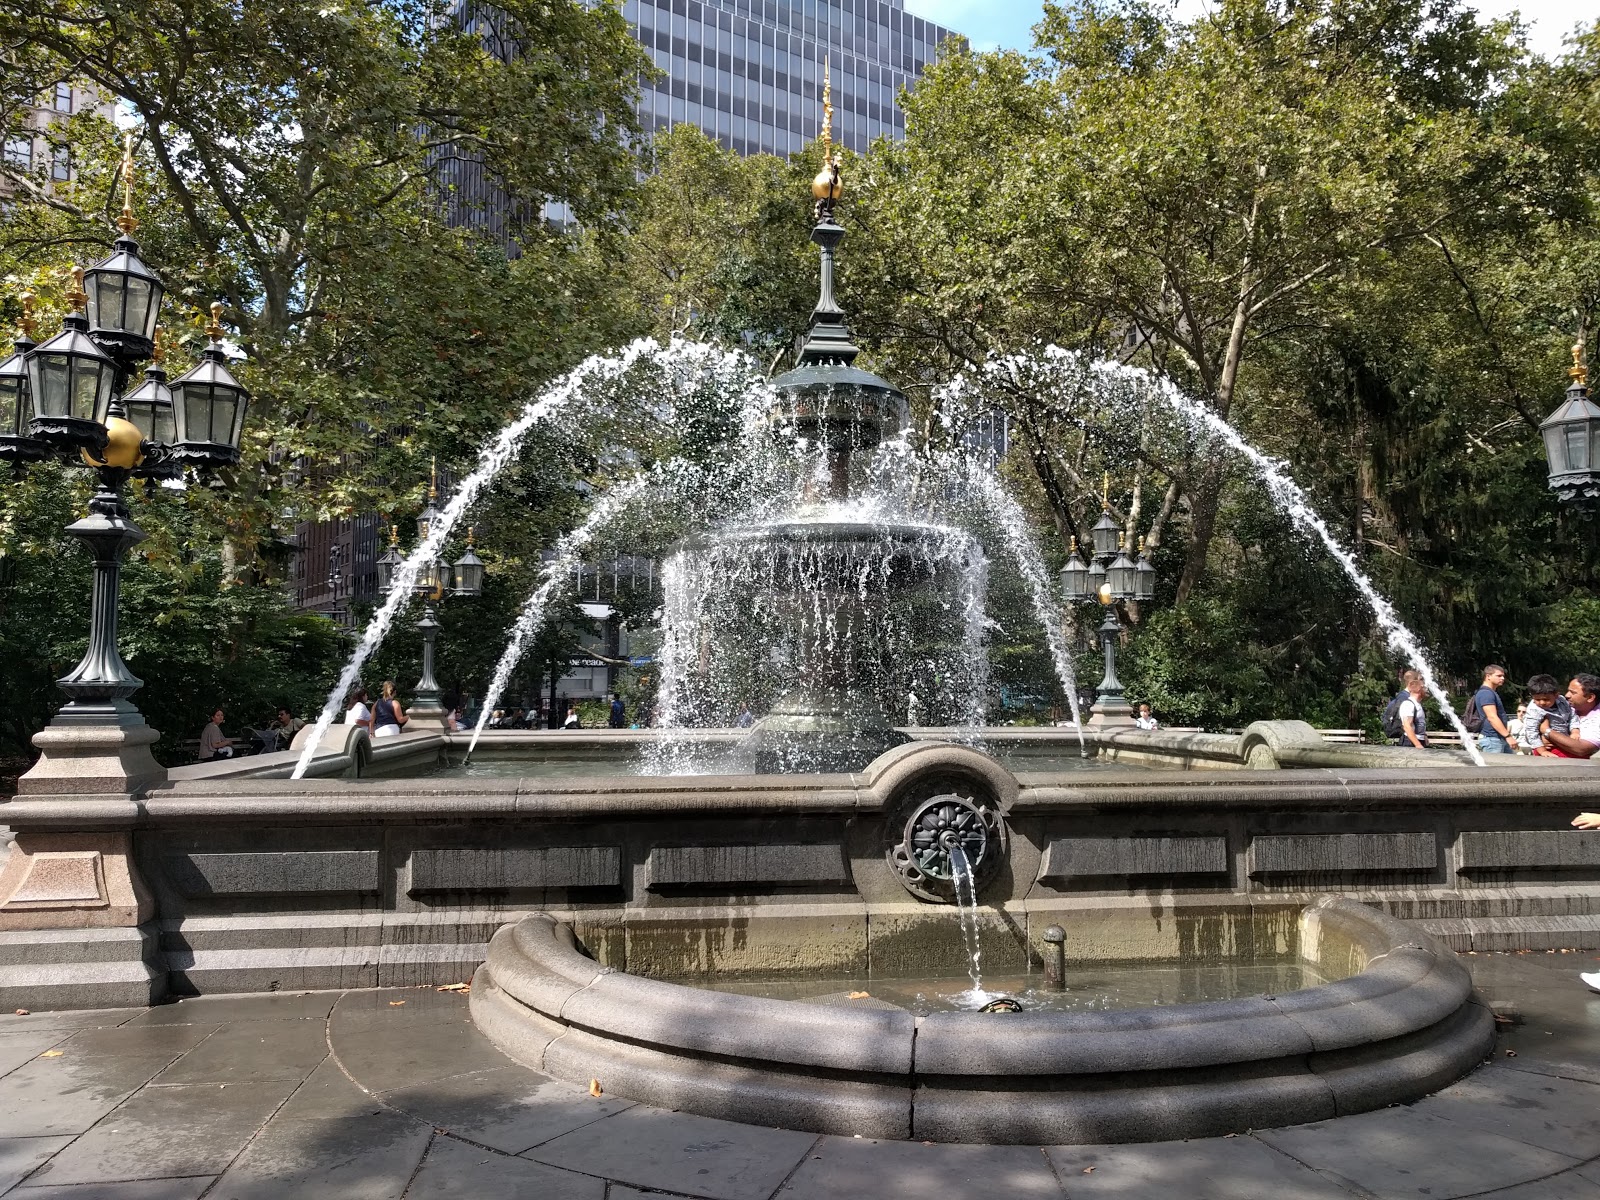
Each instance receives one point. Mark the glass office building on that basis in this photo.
(749, 72)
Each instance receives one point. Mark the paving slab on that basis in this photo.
(168, 1132)
(142, 1189)
(382, 1059)
(393, 1007)
(328, 1095)
(1399, 1152)
(253, 1052)
(136, 1040)
(356, 1158)
(1569, 1185)
(18, 1048)
(20, 1155)
(861, 1166)
(456, 1171)
(71, 1018)
(249, 1006)
(700, 1156)
(1557, 1114)
(510, 1108)
(1224, 1168)
(68, 1095)
(1576, 1071)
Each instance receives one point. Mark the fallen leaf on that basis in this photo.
(594, 1088)
(52, 1054)
(396, 1003)
(1511, 1053)
(1088, 1170)
(453, 987)
(22, 1012)
(860, 995)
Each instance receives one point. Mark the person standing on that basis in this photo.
(1494, 735)
(619, 713)
(1404, 719)
(387, 715)
(1583, 693)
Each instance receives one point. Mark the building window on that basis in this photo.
(61, 165)
(63, 98)
(19, 152)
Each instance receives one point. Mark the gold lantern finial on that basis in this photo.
(158, 352)
(827, 113)
(76, 296)
(394, 536)
(1578, 373)
(26, 326)
(1105, 491)
(214, 328)
(433, 478)
(127, 222)
(472, 536)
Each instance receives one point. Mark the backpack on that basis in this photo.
(1472, 719)
(1391, 716)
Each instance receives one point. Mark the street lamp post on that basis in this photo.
(1108, 576)
(70, 394)
(435, 581)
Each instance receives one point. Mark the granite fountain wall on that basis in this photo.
(249, 883)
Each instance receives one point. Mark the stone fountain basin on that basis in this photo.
(1403, 1023)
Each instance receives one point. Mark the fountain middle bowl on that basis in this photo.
(1402, 1021)
(847, 609)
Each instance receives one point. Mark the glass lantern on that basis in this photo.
(388, 561)
(1145, 589)
(70, 381)
(208, 406)
(16, 409)
(468, 571)
(1572, 444)
(150, 408)
(124, 302)
(1123, 576)
(1107, 535)
(1075, 577)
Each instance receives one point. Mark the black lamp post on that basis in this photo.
(1572, 439)
(71, 388)
(1109, 576)
(435, 580)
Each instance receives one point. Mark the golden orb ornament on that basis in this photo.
(123, 442)
(827, 185)
(1105, 593)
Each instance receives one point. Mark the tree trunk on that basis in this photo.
(1204, 501)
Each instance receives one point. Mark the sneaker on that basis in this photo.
(1592, 979)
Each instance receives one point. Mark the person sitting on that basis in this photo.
(452, 719)
(1546, 709)
(213, 744)
(572, 721)
(387, 715)
(357, 713)
(1583, 693)
(1144, 720)
(286, 727)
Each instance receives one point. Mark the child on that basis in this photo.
(1547, 709)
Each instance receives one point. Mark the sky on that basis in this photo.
(1005, 24)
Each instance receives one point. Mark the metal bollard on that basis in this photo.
(1055, 957)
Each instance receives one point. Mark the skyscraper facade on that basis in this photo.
(749, 72)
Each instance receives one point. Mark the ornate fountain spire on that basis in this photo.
(829, 338)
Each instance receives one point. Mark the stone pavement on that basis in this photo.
(391, 1094)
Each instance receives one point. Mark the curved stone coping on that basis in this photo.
(1405, 1024)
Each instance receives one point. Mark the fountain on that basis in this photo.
(773, 924)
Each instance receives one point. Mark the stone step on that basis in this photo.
(1580, 932)
(79, 968)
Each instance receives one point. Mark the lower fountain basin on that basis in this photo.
(1399, 1021)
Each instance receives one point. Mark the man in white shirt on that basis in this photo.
(1583, 693)
(1413, 720)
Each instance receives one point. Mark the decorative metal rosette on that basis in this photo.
(929, 827)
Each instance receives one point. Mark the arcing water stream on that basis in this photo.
(1071, 371)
